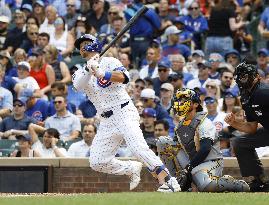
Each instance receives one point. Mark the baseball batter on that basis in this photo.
(103, 80)
(196, 149)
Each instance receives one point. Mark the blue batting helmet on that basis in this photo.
(93, 46)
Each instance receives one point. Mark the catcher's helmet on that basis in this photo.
(183, 99)
(93, 46)
(245, 74)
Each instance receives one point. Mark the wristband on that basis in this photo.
(107, 75)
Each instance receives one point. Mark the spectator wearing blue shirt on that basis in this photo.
(172, 46)
(35, 108)
(232, 57)
(263, 27)
(262, 60)
(149, 101)
(196, 23)
(18, 123)
(142, 32)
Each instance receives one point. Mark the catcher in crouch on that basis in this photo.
(195, 149)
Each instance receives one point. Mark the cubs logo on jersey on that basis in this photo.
(103, 83)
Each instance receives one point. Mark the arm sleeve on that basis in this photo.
(80, 79)
(205, 147)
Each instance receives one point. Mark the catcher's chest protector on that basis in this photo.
(186, 134)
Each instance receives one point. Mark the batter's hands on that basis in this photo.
(93, 65)
(230, 118)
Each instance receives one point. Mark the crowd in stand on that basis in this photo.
(178, 43)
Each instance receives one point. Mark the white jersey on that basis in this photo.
(105, 95)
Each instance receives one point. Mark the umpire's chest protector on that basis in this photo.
(186, 134)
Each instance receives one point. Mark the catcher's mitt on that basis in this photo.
(185, 180)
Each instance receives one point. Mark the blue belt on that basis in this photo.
(109, 113)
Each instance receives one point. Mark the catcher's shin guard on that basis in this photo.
(226, 183)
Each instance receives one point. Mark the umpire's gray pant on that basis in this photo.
(244, 148)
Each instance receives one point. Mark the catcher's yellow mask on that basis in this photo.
(182, 101)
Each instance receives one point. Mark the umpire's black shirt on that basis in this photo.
(257, 108)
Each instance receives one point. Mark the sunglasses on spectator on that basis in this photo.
(145, 99)
(81, 18)
(162, 70)
(208, 102)
(34, 33)
(18, 105)
(213, 60)
(227, 77)
(211, 86)
(139, 87)
(57, 102)
(193, 8)
(114, 13)
(70, 5)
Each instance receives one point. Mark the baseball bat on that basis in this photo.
(141, 11)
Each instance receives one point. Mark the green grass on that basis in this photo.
(143, 199)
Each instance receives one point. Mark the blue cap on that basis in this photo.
(232, 51)
(149, 112)
(25, 137)
(263, 51)
(21, 100)
(178, 19)
(27, 7)
(210, 100)
(231, 93)
(164, 63)
(25, 94)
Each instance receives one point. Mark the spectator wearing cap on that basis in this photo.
(185, 36)
(196, 23)
(48, 25)
(166, 95)
(27, 9)
(140, 85)
(198, 56)
(147, 127)
(41, 71)
(230, 100)
(39, 11)
(203, 76)
(48, 147)
(151, 67)
(6, 98)
(5, 61)
(65, 122)
(4, 22)
(71, 15)
(262, 60)
(215, 59)
(143, 31)
(178, 66)
(173, 10)
(149, 100)
(30, 41)
(24, 148)
(35, 107)
(214, 115)
(164, 69)
(24, 79)
(16, 35)
(177, 80)
(232, 57)
(172, 46)
(18, 122)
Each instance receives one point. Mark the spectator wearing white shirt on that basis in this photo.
(48, 25)
(48, 148)
(82, 147)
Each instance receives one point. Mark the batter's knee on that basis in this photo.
(95, 164)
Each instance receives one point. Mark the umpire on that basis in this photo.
(255, 102)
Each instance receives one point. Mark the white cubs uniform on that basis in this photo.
(122, 124)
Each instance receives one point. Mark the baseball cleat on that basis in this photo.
(135, 177)
(170, 186)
